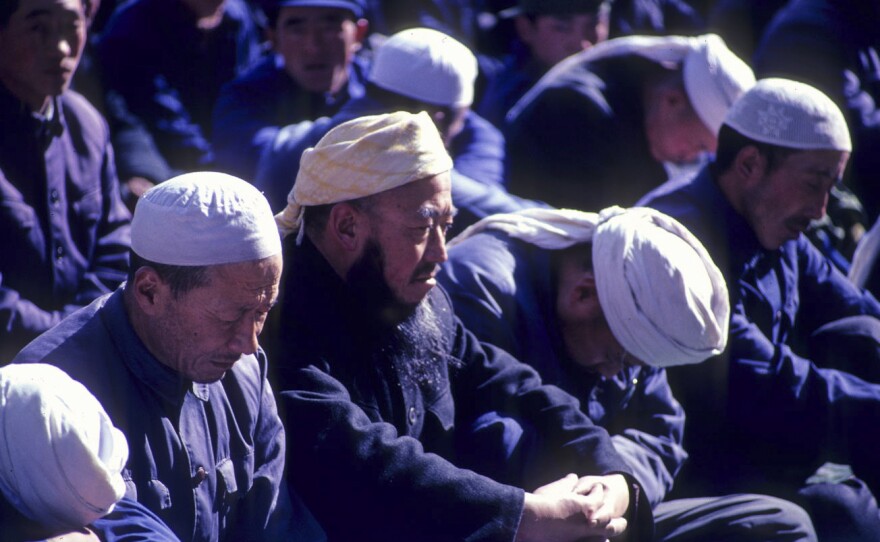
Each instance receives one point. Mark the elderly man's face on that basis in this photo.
(408, 225)
(205, 331)
(780, 204)
(40, 48)
(318, 45)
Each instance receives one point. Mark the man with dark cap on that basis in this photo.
(173, 357)
(385, 390)
(316, 69)
(64, 230)
(804, 350)
(547, 32)
(605, 126)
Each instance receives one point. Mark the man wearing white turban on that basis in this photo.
(804, 349)
(600, 126)
(61, 461)
(383, 386)
(599, 305)
(173, 357)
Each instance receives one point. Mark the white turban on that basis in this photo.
(362, 157)
(204, 218)
(662, 296)
(790, 114)
(426, 65)
(60, 456)
(714, 77)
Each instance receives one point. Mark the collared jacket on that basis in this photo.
(791, 413)
(64, 230)
(377, 456)
(504, 291)
(207, 459)
(169, 73)
(252, 109)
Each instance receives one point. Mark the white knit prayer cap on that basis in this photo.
(714, 77)
(204, 218)
(662, 295)
(426, 65)
(362, 157)
(790, 114)
(60, 455)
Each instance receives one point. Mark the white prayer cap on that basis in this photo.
(362, 157)
(790, 114)
(426, 65)
(60, 455)
(203, 218)
(714, 77)
(662, 296)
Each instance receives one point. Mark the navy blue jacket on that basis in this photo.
(377, 455)
(253, 108)
(580, 143)
(790, 414)
(63, 227)
(169, 74)
(208, 459)
(504, 291)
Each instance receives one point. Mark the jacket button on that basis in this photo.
(412, 416)
(200, 476)
(54, 197)
(59, 252)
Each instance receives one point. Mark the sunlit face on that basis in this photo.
(409, 225)
(318, 45)
(779, 205)
(40, 48)
(677, 135)
(205, 331)
(554, 37)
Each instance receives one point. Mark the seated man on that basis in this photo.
(547, 32)
(64, 230)
(416, 70)
(804, 369)
(314, 71)
(386, 392)
(588, 300)
(173, 357)
(601, 127)
(61, 461)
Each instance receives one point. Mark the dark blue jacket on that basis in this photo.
(253, 108)
(477, 153)
(207, 459)
(169, 74)
(789, 413)
(391, 448)
(504, 291)
(580, 143)
(63, 227)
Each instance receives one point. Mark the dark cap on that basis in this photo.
(551, 7)
(354, 6)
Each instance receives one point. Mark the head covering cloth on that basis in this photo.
(662, 296)
(61, 458)
(426, 65)
(363, 157)
(790, 114)
(714, 77)
(203, 218)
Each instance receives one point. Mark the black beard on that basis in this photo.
(367, 282)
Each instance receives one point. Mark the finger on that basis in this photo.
(565, 484)
(609, 529)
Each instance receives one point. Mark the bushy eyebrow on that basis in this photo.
(429, 211)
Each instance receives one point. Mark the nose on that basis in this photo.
(817, 210)
(436, 251)
(244, 340)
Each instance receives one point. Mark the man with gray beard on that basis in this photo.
(392, 407)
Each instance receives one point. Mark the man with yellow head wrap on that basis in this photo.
(383, 387)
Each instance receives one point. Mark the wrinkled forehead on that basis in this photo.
(431, 196)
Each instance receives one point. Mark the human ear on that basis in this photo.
(749, 163)
(525, 29)
(362, 26)
(346, 226)
(149, 290)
